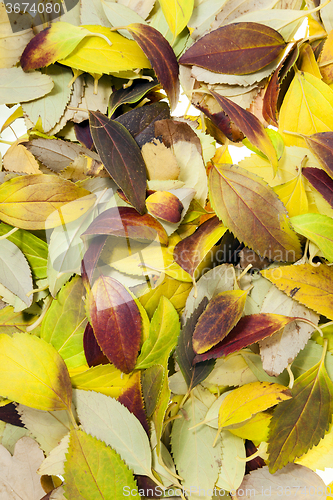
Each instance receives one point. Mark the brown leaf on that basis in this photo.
(322, 182)
(131, 397)
(116, 321)
(165, 206)
(249, 329)
(221, 315)
(322, 145)
(235, 49)
(90, 260)
(121, 157)
(173, 131)
(127, 223)
(271, 97)
(189, 252)
(250, 126)
(161, 56)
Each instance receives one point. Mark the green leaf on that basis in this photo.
(15, 273)
(93, 470)
(110, 421)
(317, 228)
(12, 322)
(64, 323)
(163, 336)
(196, 459)
(152, 380)
(33, 373)
(132, 94)
(34, 249)
(300, 423)
(232, 469)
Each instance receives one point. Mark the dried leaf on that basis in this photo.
(239, 197)
(236, 49)
(18, 477)
(309, 285)
(232, 469)
(161, 57)
(322, 145)
(17, 86)
(19, 159)
(132, 94)
(152, 380)
(12, 44)
(165, 206)
(121, 157)
(131, 397)
(294, 479)
(116, 321)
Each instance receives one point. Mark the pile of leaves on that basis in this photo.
(167, 316)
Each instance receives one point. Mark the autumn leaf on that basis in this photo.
(317, 228)
(46, 382)
(125, 222)
(132, 397)
(39, 201)
(250, 399)
(161, 57)
(116, 322)
(248, 330)
(177, 15)
(221, 315)
(191, 251)
(321, 182)
(309, 285)
(322, 145)
(236, 49)
(300, 423)
(244, 203)
(165, 206)
(121, 157)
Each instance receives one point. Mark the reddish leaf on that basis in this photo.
(92, 351)
(131, 397)
(116, 321)
(320, 181)
(90, 259)
(255, 463)
(126, 222)
(165, 206)
(189, 252)
(236, 49)
(251, 127)
(161, 56)
(270, 103)
(121, 157)
(249, 329)
(221, 315)
(9, 414)
(83, 134)
(322, 145)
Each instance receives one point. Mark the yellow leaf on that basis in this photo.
(256, 429)
(307, 61)
(18, 113)
(293, 196)
(33, 373)
(306, 109)
(19, 159)
(250, 399)
(222, 155)
(325, 60)
(95, 55)
(309, 285)
(39, 201)
(320, 456)
(106, 379)
(177, 14)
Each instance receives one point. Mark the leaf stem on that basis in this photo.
(36, 290)
(47, 304)
(12, 231)
(291, 376)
